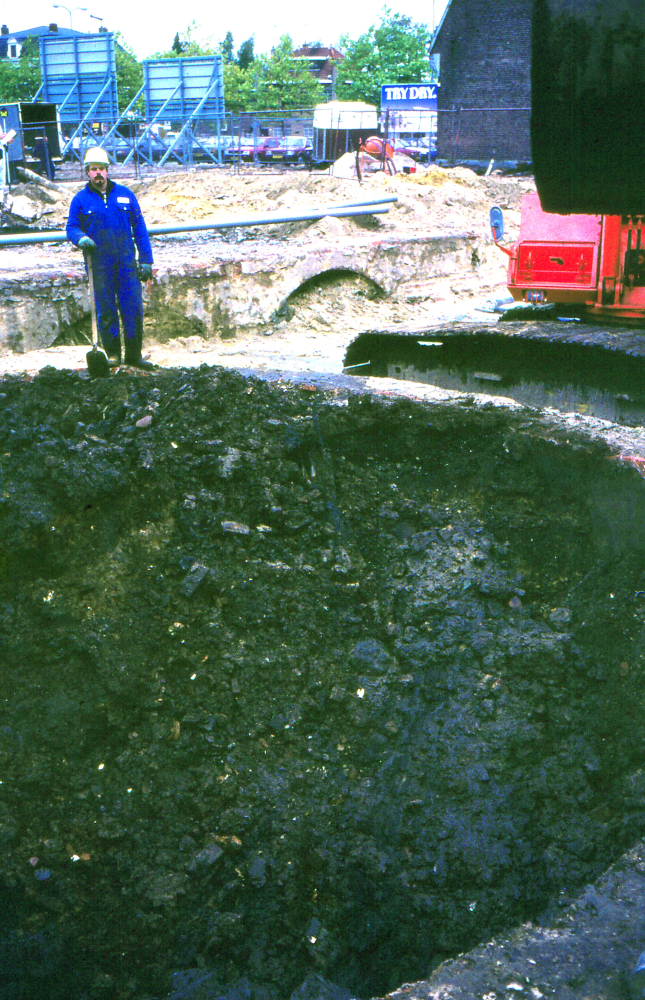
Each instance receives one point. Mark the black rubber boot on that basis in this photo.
(142, 363)
(133, 350)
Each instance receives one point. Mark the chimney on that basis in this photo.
(4, 30)
(53, 27)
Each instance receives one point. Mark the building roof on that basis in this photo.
(317, 52)
(440, 25)
(43, 29)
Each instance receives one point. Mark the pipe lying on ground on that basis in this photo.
(33, 178)
(359, 204)
(268, 220)
(378, 207)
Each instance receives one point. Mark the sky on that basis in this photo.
(148, 28)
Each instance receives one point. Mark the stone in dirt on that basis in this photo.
(317, 988)
(370, 654)
(21, 207)
(193, 578)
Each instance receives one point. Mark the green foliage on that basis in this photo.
(238, 88)
(188, 42)
(226, 47)
(275, 82)
(129, 74)
(288, 82)
(394, 51)
(20, 79)
(246, 55)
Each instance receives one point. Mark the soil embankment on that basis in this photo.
(302, 684)
(309, 690)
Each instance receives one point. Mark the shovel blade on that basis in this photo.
(97, 364)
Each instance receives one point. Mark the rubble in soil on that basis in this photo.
(299, 687)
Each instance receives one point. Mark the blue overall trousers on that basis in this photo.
(116, 225)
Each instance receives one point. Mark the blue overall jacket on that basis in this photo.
(115, 226)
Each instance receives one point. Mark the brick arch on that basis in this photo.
(324, 275)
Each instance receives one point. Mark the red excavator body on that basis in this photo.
(596, 261)
(588, 141)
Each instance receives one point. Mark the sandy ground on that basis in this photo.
(454, 198)
(328, 316)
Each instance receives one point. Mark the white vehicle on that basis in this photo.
(339, 126)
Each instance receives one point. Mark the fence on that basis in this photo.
(475, 136)
(149, 141)
(464, 135)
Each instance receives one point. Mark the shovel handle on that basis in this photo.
(90, 274)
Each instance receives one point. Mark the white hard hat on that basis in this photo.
(96, 155)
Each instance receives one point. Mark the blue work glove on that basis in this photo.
(145, 272)
(87, 243)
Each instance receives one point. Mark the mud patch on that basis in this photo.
(300, 684)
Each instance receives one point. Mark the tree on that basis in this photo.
(226, 47)
(188, 42)
(239, 88)
(394, 51)
(275, 82)
(246, 55)
(129, 74)
(288, 84)
(20, 78)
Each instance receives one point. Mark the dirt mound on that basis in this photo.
(438, 198)
(298, 683)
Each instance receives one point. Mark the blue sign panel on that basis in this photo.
(79, 75)
(177, 88)
(409, 96)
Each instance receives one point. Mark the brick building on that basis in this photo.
(484, 55)
(321, 62)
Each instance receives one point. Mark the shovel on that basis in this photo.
(97, 362)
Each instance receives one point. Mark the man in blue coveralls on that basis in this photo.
(105, 220)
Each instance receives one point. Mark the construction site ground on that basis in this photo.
(315, 691)
(327, 314)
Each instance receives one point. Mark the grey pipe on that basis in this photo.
(340, 211)
(368, 201)
(263, 220)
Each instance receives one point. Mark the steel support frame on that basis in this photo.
(123, 117)
(192, 119)
(147, 133)
(88, 117)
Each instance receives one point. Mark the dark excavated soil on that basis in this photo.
(298, 685)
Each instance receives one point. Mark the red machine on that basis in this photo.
(588, 142)
(597, 261)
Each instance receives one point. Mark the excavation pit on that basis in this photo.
(304, 683)
(592, 372)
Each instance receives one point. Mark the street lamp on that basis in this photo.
(70, 12)
(94, 17)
